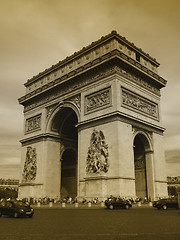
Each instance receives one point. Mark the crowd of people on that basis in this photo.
(71, 200)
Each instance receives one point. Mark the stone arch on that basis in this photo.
(146, 138)
(143, 165)
(62, 125)
(58, 108)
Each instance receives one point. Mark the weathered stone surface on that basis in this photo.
(101, 107)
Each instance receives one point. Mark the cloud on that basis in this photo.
(172, 156)
(172, 162)
(9, 171)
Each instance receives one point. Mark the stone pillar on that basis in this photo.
(150, 174)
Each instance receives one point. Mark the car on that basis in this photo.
(166, 203)
(117, 202)
(16, 208)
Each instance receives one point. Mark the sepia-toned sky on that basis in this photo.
(35, 34)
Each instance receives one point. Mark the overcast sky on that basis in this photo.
(36, 34)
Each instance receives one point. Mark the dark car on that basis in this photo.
(166, 203)
(15, 208)
(114, 202)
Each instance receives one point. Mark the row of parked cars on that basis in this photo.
(17, 208)
(165, 203)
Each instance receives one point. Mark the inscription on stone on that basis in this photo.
(136, 102)
(33, 123)
(98, 100)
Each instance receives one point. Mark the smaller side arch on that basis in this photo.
(143, 164)
(146, 138)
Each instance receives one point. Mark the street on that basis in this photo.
(144, 223)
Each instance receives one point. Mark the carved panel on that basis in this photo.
(97, 159)
(33, 124)
(98, 100)
(87, 79)
(139, 103)
(30, 165)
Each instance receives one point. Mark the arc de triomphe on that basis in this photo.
(92, 125)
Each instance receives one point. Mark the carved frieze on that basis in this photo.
(98, 100)
(81, 82)
(139, 103)
(33, 124)
(97, 156)
(30, 165)
(138, 80)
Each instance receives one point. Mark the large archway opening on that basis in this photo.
(140, 166)
(68, 174)
(65, 123)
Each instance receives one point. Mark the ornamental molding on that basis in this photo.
(85, 80)
(76, 100)
(97, 156)
(33, 124)
(30, 165)
(50, 109)
(71, 86)
(143, 131)
(98, 100)
(138, 80)
(98, 48)
(138, 103)
(55, 79)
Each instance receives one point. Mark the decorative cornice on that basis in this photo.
(160, 181)
(93, 45)
(108, 57)
(120, 116)
(90, 178)
(39, 137)
(24, 184)
(110, 46)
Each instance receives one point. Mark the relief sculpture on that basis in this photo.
(33, 124)
(30, 165)
(98, 100)
(97, 159)
(136, 102)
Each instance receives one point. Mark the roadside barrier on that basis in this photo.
(102, 204)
